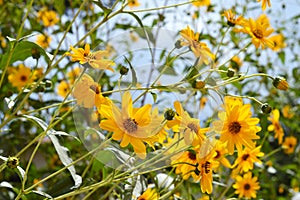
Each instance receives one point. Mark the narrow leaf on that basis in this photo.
(133, 74)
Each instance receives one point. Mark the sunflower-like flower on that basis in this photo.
(130, 125)
(48, 17)
(20, 76)
(43, 40)
(264, 3)
(188, 126)
(236, 125)
(73, 74)
(259, 30)
(289, 144)
(246, 186)
(200, 49)
(95, 59)
(232, 20)
(276, 126)
(221, 152)
(133, 3)
(247, 158)
(63, 89)
(287, 112)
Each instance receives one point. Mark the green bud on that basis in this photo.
(265, 108)
(230, 72)
(35, 53)
(169, 114)
(12, 162)
(124, 70)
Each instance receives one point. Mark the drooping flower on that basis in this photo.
(43, 40)
(95, 59)
(247, 158)
(63, 89)
(246, 186)
(232, 20)
(259, 30)
(264, 3)
(200, 49)
(276, 126)
(200, 3)
(236, 125)
(280, 83)
(130, 125)
(20, 76)
(133, 3)
(289, 144)
(149, 194)
(278, 42)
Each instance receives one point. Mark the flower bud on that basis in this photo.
(178, 44)
(280, 83)
(124, 70)
(198, 84)
(48, 84)
(230, 72)
(169, 114)
(265, 108)
(12, 162)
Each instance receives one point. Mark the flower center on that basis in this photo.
(258, 33)
(245, 156)
(193, 127)
(247, 186)
(95, 89)
(23, 78)
(218, 155)
(130, 125)
(192, 155)
(206, 167)
(234, 127)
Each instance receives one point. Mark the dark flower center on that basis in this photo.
(247, 186)
(130, 125)
(245, 156)
(23, 78)
(206, 167)
(95, 89)
(234, 127)
(192, 155)
(258, 33)
(218, 154)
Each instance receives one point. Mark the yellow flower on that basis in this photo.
(43, 40)
(2, 41)
(246, 186)
(63, 89)
(94, 59)
(278, 42)
(188, 126)
(186, 164)
(232, 20)
(236, 125)
(133, 3)
(259, 30)
(247, 158)
(221, 152)
(48, 17)
(205, 169)
(149, 194)
(199, 3)
(200, 49)
(289, 144)
(264, 3)
(287, 112)
(73, 74)
(236, 63)
(275, 126)
(130, 125)
(20, 76)
(87, 92)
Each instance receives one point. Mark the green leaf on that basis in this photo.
(60, 7)
(22, 51)
(154, 96)
(281, 56)
(169, 70)
(133, 74)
